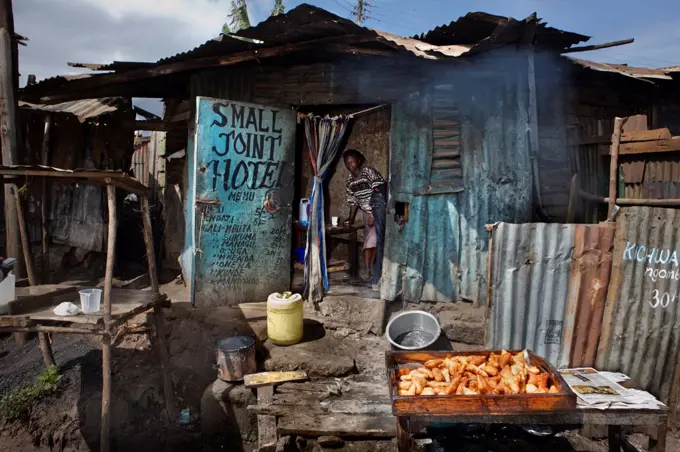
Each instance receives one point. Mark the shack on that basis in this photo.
(473, 129)
(67, 222)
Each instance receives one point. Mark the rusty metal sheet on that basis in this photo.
(641, 324)
(624, 69)
(82, 109)
(588, 283)
(242, 167)
(548, 287)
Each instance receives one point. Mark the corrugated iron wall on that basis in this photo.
(588, 285)
(549, 283)
(641, 324)
(656, 176)
(441, 253)
(148, 162)
(531, 264)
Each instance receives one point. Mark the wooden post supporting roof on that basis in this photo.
(8, 129)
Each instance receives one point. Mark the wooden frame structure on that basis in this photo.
(34, 312)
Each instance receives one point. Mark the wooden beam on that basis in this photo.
(208, 62)
(8, 136)
(148, 243)
(650, 147)
(614, 164)
(272, 378)
(573, 195)
(46, 349)
(25, 241)
(630, 137)
(105, 433)
(44, 159)
(266, 425)
(646, 135)
(605, 45)
(152, 124)
(671, 202)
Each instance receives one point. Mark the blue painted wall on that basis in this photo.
(240, 201)
(441, 253)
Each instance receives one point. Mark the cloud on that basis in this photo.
(100, 31)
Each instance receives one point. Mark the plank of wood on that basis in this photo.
(266, 425)
(272, 378)
(647, 147)
(646, 135)
(353, 425)
(328, 406)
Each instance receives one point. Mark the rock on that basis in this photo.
(361, 315)
(332, 442)
(467, 333)
(285, 444)
(323, 357)
(459, 330)
(224, 415)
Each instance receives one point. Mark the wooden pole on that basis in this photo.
(573, 198)
(614, 164)
(25, 241)
(8, 135)
(105, 438)
(46, 349)
(148, 242)
(44, 160)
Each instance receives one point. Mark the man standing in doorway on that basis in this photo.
(367, 190)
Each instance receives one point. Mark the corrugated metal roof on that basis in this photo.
(115, 66)
(475, 27)
(307, 23)
(641, 324)
(83, 109)
(624, 69)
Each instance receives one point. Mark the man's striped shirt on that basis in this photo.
(361, 187)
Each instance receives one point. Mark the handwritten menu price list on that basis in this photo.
(230, 257)
(661, 268)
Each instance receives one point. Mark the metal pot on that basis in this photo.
(413, 330)
(236, 358)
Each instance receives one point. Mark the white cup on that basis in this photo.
(334, 221)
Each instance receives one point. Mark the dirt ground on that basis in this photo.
(344, 344)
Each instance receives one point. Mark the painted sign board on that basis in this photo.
(241, 188)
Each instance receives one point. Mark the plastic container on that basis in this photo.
(90, 300)
(299, 255)
(7, 292)
(304, 211)
(284, 318)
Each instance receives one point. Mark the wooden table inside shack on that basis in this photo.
(33, 312)
(360, 407)
(336, 234)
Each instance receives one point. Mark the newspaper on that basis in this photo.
(595, 390)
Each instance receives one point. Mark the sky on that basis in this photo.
(100, 31)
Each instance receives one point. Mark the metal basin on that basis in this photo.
(413, 330)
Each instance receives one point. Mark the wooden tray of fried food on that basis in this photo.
(489, 382)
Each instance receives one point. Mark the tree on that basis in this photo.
(278, 8)
(238, 17)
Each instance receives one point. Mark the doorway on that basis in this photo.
(368, 134)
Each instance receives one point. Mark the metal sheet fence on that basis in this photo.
(641, 325)
(605, 295)
(548, 283)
